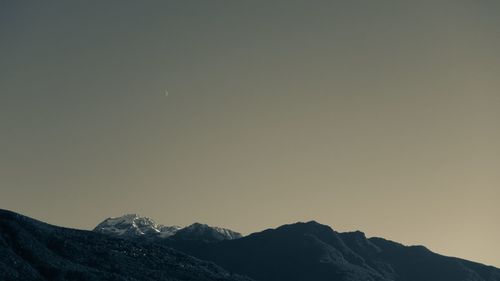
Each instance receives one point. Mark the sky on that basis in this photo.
(381, 116)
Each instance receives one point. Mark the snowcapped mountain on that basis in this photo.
(199, 231)
(133, 225)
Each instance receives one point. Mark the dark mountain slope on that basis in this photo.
(32, 250)
(311, 251)
(417, 263)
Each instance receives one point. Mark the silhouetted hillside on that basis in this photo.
(311, 251)
(32, 250)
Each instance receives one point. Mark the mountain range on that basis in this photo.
(135, 226)
(31, 250)
(132, 247)
(312, 251)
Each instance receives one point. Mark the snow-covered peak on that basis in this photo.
(134, 225)
(228, 233)
(167, 231)
(199, 231)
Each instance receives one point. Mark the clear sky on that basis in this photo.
(382, 116)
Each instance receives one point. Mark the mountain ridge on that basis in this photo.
(303, 251)
(312, 251)
(136, 226)
(31, 250)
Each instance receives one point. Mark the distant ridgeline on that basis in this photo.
(132, 247)
(135, 226)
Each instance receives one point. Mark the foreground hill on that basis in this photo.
(32, 250)
(314, 252)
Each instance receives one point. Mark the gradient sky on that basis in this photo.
(382, 116)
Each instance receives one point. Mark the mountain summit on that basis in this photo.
(199, 231)
(311, 251)
(135, 226)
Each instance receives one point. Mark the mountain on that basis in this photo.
(203, 232)
(135, 226)
(32, 250)
(312, 251)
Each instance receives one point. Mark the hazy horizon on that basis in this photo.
(374, 116)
